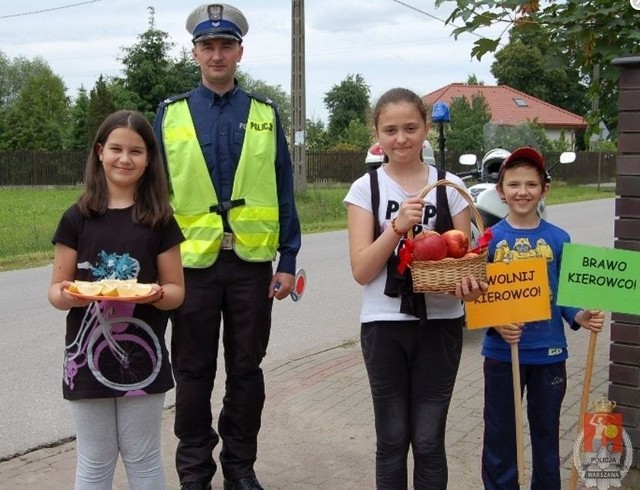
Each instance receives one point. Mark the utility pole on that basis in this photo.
(298, 102)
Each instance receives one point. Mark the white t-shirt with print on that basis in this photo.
(376, 306)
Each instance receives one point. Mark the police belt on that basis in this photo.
(227, 241)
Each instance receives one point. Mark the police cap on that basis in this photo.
(217, 20)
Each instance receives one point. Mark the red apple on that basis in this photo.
(424, 234)
(429, 245)
(457, 243)
(469, 255)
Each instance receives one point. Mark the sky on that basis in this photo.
(390, 43)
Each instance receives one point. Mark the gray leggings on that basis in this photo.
(129, 426)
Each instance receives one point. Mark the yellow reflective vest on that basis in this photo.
(255, 223)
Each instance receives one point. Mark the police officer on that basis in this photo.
(232, 192)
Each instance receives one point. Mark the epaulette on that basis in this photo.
(262, 98)
(175, 98)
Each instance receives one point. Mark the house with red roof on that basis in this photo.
(511, 107)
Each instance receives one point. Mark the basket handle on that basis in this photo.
(463, 192)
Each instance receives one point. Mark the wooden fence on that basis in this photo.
(20, 168)
(27, 168)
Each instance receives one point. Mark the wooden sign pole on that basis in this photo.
(517, 402)
(584, 401)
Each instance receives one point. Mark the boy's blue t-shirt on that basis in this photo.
(542, 342)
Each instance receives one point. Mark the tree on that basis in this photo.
(524, 62)
(123, 98)
(473, 80)
(100, 106)
(150, 75)
(357, 136)
(77, 139)
(37, 120)
(346, 102)
(544, 143)
(184, 73)
(591, 33)
(14, 73)
(464, 133)
(317, 135)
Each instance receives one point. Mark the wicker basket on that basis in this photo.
(444, 275)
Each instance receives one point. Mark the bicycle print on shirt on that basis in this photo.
(122, 352)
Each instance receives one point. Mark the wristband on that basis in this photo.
(393, 226)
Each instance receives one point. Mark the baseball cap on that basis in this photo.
(217, 20)
(527, 153)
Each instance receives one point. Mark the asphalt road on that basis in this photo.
(32, 411)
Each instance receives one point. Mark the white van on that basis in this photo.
(375, 155)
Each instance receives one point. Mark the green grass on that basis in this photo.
(321, 209)
(28, 217)
(562, 193)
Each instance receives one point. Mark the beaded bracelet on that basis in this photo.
(393, 226)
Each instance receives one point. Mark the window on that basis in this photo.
(520, 102)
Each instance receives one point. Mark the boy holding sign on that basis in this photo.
(522, 183)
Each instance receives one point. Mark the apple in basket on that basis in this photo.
(457, 243)
(429, 245)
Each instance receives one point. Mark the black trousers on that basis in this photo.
(235, 292)
(412, 371)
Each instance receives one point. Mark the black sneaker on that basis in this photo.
(246, 483)
(195, 485)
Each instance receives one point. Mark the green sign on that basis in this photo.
(600, 278)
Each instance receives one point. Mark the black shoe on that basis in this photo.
(246, 483)
(195, 485)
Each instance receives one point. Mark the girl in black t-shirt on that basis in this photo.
(116, 367)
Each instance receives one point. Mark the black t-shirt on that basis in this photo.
(115, 348)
